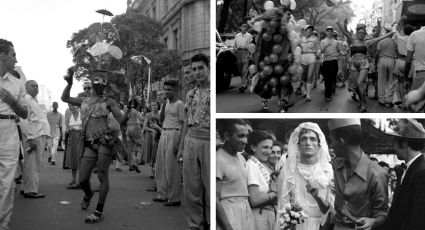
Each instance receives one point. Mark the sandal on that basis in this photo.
(85, 202)
(94, 218)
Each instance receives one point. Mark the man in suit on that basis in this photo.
(408, 207)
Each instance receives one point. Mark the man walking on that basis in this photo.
(55, 123)
(361, 200)
(408, 207)
(196, 150)
(386, 55)
(12, 94)
(330, 49)
(35, 129)
(242, 41)
(167, 169)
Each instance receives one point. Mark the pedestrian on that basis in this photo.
(12, 94)
(232, 205)
(35, 129)
(167, 169)
(55, 122)
(416, 52)
(330, 50)
(242, 41)
(74, 145)
(151, 128)
(196, 147)
(408, 206)
(309, 51)
(134, 134)
(361, 200)
(386, 55)
(306, 178)
(359, 62)
(400, 82)
(97, 138)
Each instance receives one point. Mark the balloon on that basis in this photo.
(277, 38)
(261, 75)
(98, 49)
(292, 69)
(273, 82)
(278, 69)
(270, 30)
(290, 58)
(297, 51)
(251, 48)
(277, 49)
(258, 26)
(266, 88)
(115, 52)
(283, 30)
(274, 91)
(293, 5)
(302, 23)
(292, 36)
(267, 70)
(266, 60)
(273, 58)
(285, 2)
(252, 69)
(261, 64)
(267, 37)
(274, 24)
(268, 5)
(297, 28)
(285, 79)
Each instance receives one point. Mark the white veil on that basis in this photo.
(286, 184)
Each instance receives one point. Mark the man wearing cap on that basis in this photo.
(12, 94)
(361, 195)
(386, 55)
(330, 50)
(242, 41)
(408, 207)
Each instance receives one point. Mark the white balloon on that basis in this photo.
(257, 26)
(293, 5)
(115, 52)
(285, 2)
(297, 51)
(297, 28)
(268, 5)
(290, 27)
(98, 49)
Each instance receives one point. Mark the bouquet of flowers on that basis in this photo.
(290, 216)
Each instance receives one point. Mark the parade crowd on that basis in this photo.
(336, 184)
(170, 135)
(386, 65)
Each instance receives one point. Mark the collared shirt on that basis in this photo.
(55, 121)
(36, 124)
(330, 49)
(387, 48)
(199, 109)
(16, 88)
(362, 194)
(243, 40)
(408, 165)
(416, 43)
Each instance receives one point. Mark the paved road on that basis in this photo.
(123, 209)
(231, 101)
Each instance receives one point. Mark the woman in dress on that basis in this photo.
(307, 176)
(74, 144)
(134, 134)
(262, 193)
(97, 138)
(149, 131)
(359, 62)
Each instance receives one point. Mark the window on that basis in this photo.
(153, 12)
(176, 39)
(166, 41)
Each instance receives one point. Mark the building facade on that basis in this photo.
(186, 27)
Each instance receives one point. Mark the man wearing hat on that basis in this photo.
(361, 196)
(408, 207)
(330, 50)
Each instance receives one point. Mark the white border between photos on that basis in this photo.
(215, 116)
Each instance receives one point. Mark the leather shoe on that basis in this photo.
(153, 189)
(158, 199)
(34, 195)
(176, 203)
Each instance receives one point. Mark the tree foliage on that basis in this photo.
(134, 34)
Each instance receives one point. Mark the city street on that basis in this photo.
(231, 101)
(128, 206)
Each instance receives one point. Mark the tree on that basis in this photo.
(135, 34)
(314, 11)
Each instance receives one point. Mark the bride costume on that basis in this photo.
(295, 175)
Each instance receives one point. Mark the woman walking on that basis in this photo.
(74, 145)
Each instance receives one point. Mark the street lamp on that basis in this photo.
(139, 60)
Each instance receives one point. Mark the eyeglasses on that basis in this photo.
(98, 80)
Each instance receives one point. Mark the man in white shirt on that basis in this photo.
(35, 129)
(242, 41)
(416, 49)
(407, 208)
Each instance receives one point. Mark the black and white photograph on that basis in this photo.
(320, 56)
(105, 114)
(312, 174)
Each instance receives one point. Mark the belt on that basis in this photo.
(387, 56)
(171, 129)
(402, 56)
(9, 117)
(242, 49)
(419, 71)
(349, 225)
